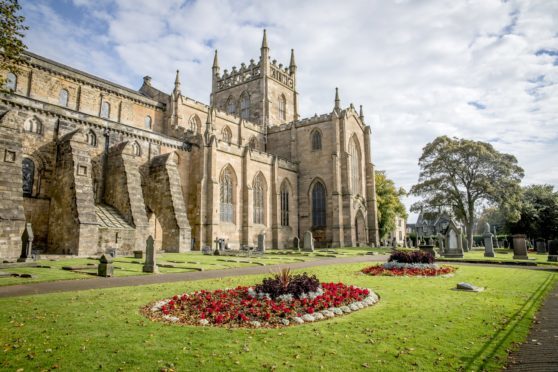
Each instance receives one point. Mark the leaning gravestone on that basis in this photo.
(519, 247)
(553, 250)
(296, 243)
(488, 248)
(541, 246)
(454, 244)
(26, 244)
(308, 242)
(261, 243)
(150, 266)
(105, 267)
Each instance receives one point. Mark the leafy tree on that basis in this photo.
(11, 35)
(494, 216)
(463, 175)
(539, 212)
(389, 203)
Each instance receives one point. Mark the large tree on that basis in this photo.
(462, 175)
(539, 213)
(388, 198)
(11, 35)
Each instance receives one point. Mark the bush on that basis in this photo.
(295, 285)
(412, 257)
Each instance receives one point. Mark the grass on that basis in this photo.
(504, 255)
(419, 324)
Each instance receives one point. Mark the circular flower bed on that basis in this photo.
(405, 269)
(248, 307)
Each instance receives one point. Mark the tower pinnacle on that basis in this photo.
(361, 114)
(264, 41)
(177, 82)
(337, 101)
(292, 64)
(216, 61)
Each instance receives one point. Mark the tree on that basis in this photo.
(11, 35)
(389, 203)
(539, 213)
(463, 175)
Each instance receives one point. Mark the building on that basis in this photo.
(94, 166)
(399, 231)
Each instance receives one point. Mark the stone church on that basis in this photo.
(93, 165)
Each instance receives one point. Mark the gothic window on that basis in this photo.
(231, 106)
(105, 110)
(11, 81)
(356, 179)
(33, 125)
(282, 108)
(316, 140)
(63, 97)
(28, 175)
(259, 192)
(147, 122)
(253, 143)
(226, 197)
(136, 149)
(91, 138)
(284, 204)
(245, 106)
(226, 135)
(318, 205)
(195, 124)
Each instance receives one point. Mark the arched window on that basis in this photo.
(11, 81)
(356, 177)
(63, 97)
(147, 122)
(284, 204)
(318, 205)
(28, 175)
(316, 140)
(33, 125)
(136, 149)
(245, 106)
(231, 106)
(282, 108)
(195, 123)
(259, 200)
(91, 138)
(253, 143)
(227, 196)
(226, 135)
(105, 110)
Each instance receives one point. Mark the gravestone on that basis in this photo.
(553, 250)
(105, 267)
(519, 247)
(150, 266)
(207, 250)
(541, 246)
(308, 242)
(138, 254)
(394, 243)
(441, 243)
(296, 243)
(26, 244)
(453, 244)
(261, 242)
(488, 247)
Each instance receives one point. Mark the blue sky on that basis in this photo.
(485, 70)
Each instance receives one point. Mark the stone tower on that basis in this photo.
(263, 92)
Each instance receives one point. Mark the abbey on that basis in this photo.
(95, 166)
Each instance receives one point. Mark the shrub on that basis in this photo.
(295, 286)
(412, 257)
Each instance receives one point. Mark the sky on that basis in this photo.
(483, 70)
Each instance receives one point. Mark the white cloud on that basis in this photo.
(419, 68)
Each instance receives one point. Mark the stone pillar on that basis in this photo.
(519, 247)
(26, 244)
(150, 265)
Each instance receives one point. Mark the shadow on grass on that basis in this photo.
(509, 327)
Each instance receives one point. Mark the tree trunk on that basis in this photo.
(470, 234)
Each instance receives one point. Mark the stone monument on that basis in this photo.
(105, 267)
(488, 247)
(308, 242)
(296, 243)
(519, 247)
(150, 266)
(454, 244)
(553, 250)
(541, 246)
(26, 244)
(261, 243)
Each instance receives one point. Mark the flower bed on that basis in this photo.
(245, 307)
(403, 269)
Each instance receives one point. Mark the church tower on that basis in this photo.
(263, 93)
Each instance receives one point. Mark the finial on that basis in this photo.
(337, 98)
(264, 41)
(147, 80)
(216, 60)
(177, 82)
(292, 64)
(361, 114)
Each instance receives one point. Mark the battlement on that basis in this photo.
(236, 77)
(282, 75)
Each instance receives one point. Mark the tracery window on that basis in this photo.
(136, 149)
(28, 175)
(356, 179)
(318, 205)
(11, 81)
(195, 123)
(282, 108)
(316, 140)
(259, 200)
(284, 204)
(226, 197)
(245, 106)
(226, 135)
(63, 97)
(105, 110)
(148, 122)
(231, 106)
(33, 125)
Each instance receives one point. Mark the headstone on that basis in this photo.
(553, 250)
(105, 267)
(150, 266)
(441, 241)
(454, 244)
(308, 242)
(463, 286)
(111, 252)
(296, 243)
(26, 244)
(207, 250)
(541, 246)
(394, 243)
(261, 242)
(488, 248)
(138, 254)
(465, 243)
(519, 247)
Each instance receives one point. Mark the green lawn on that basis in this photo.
(419, 324)
(505, 255)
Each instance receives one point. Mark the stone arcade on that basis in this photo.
(95, 166)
